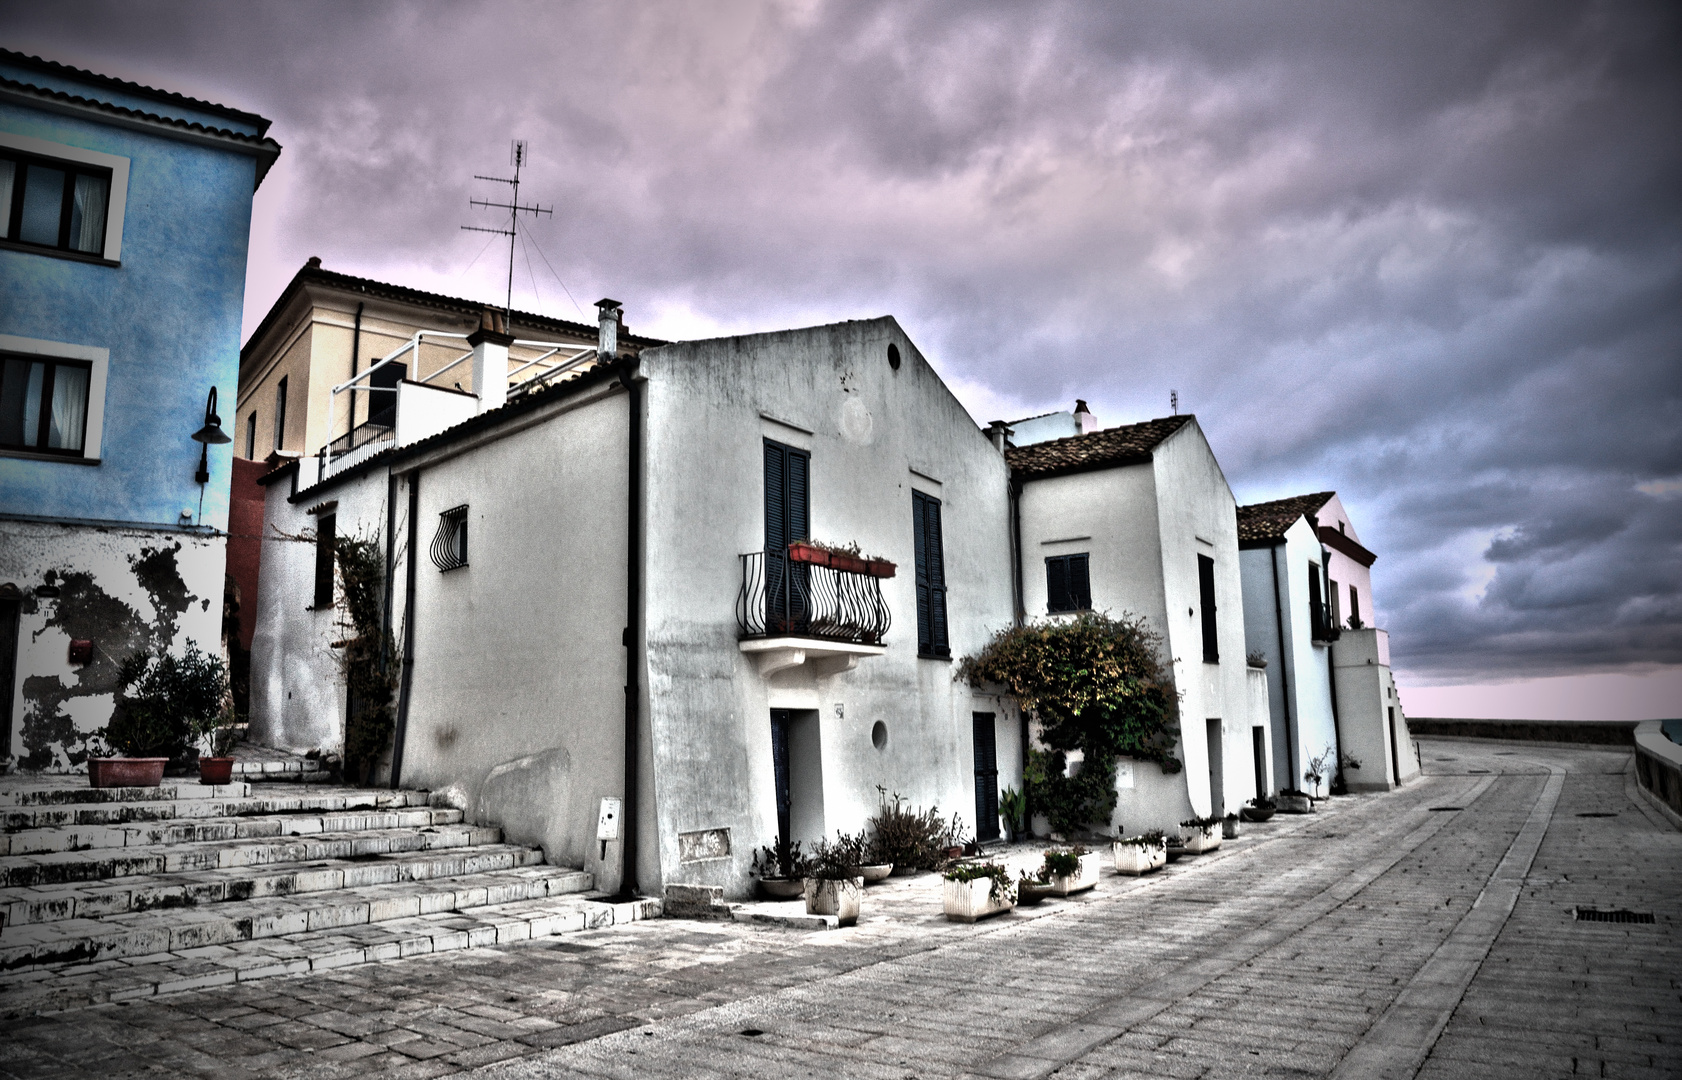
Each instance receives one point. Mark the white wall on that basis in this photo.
(875, 435)
(1370, 712)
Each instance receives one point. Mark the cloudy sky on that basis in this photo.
(1427, 254)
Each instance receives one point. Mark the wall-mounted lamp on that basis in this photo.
(209, 435)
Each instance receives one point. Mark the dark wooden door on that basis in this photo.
(779, 766)
(986, 778)
(1258, 742)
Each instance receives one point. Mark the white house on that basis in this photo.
(1331, 692)
(590, 596)
(1139, 519)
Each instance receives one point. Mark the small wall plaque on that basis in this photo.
(703, 845)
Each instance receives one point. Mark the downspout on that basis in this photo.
(390, 565)
(1020, 611)
(1284, 673)
(633, 627)
(1337, 784)
(355, 355)
(407, 679)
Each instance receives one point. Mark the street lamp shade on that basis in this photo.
(211, 434)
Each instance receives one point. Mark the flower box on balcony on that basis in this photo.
(801, 551)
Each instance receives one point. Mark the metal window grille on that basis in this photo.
(449, 544)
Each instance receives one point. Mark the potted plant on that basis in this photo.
(219, 734)
(1293, 801)
(1136, 855)
(1316, 771)
(833, 884)
(1203, 834)
(912, 841)
(781, 870)
(1173, 846)
(1229, 827)
(1013, 810)
(161, 701)
(1260, 808)
(976, 890)
(1031, 890)
(1070, 870)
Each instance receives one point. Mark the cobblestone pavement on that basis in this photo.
(1373, 939)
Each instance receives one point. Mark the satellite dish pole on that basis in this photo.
(517, 154)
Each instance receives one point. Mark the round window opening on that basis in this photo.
(893, 356)
(879, 735)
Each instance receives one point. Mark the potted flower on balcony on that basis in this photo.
(1203, 834)
(1137, 855)
(975, 891)
(1070, 870)
(833, 884)
(161, 701)
(781, 870)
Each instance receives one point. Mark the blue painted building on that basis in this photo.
(125, 215)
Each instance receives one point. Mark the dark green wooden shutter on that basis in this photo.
(1080, 582)
(986, 777)
(1206, 597)
(931, 576)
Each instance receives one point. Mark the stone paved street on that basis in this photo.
(1352, 942)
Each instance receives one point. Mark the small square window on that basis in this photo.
(449, 544)
(44, 404)
(1068, 583)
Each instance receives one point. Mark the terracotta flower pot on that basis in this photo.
(126, 771)
(216, 770)
(880, 568)
(848, 563)
(806, 553)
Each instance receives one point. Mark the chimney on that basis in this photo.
(490, 360)
(608, 315)
(1084, 418)
(999, 433)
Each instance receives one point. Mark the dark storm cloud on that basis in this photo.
(1429, 255)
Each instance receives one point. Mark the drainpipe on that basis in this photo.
(390, 565)
(407, 679)
(1337, 781)
(1019, 610)
(607, 351)
(355, 356)
(1284, 672)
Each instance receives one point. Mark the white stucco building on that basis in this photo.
(1308, 612)
(1139, 520)
(600, 564)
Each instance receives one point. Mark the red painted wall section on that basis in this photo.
(245, 540)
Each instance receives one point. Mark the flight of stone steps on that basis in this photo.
(108, 894)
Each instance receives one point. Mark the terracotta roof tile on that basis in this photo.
(1125, 445)
(1271, 520)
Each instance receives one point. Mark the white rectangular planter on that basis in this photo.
(839, 898)
(1136, 859)
(1202, 841)
(967, 901)
(1081, 880)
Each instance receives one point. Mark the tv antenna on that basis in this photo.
(517, 156)
(1174, 401)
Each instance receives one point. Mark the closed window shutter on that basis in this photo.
(776, 501)
(1080, 584)
(919, 544)
(325, 527)
(931, 576)
(1057, 584)
(1206, 596)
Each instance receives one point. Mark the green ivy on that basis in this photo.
(1098, 685)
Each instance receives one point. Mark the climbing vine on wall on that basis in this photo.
(1098, 685)
(365, 651)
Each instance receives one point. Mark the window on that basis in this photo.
(325, 535)
(251, 436)
(1068, 586)
(449, 543)
(280, 414)
(54, 204)
(931, 576)
(1354, 608)
(44, 404)
(1337, 614)
(1206, 597)
(788, 515)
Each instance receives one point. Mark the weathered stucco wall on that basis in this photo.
(875, 435)
(127, 591)
(1370, 715)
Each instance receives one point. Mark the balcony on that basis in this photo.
(1325, 631)
(792, 613)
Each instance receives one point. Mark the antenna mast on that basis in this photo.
(517, 152)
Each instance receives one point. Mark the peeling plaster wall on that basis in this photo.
(126, 590)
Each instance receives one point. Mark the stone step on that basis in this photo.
(204, 830)
(278, 769)
(59, 791)
(144, 933)
(104, 863)
(197, 889)
(18, 818)
(51, 988)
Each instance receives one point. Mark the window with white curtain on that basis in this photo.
(44, 405)
(62, 205)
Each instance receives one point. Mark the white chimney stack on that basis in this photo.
(490, 360)
(608, 315)
(1084, 418)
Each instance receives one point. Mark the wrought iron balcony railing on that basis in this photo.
(781, 597)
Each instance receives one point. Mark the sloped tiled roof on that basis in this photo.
(1129, 444)
(53, 67)
(1271, 520)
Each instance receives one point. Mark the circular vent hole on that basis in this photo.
(893, 356)
(879, 735)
